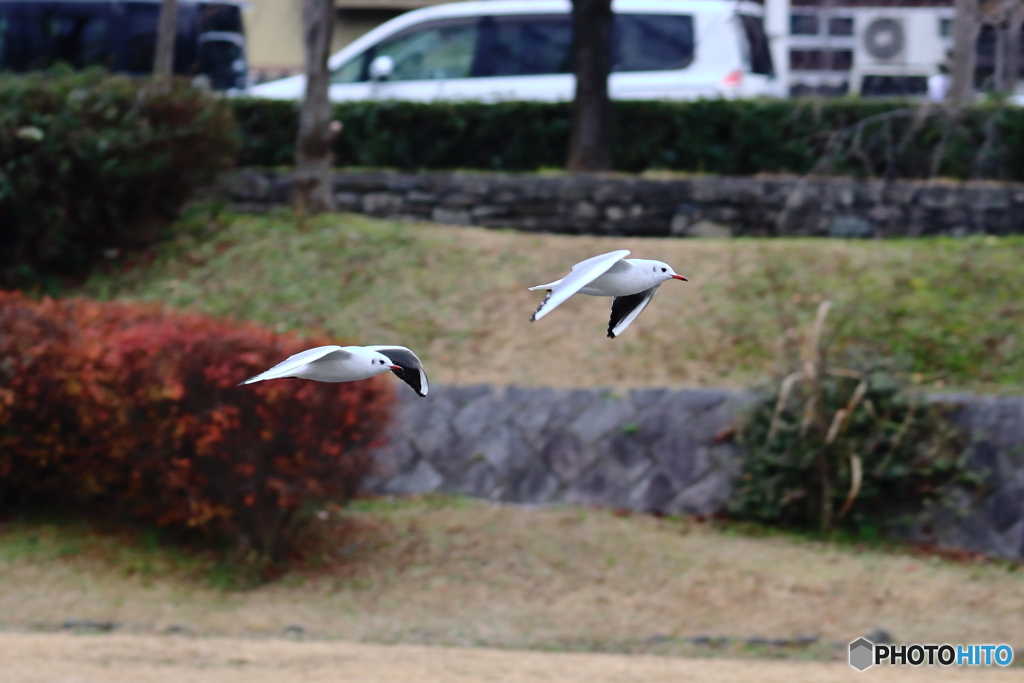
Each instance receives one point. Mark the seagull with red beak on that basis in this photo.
(631, 282)
(348, 364)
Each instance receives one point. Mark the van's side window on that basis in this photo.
(429, 51)
(519, 45)
(652, 42)
(522, 45)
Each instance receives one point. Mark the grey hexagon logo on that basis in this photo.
(861, 654)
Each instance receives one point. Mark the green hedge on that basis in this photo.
(92, 164)
(733, 137)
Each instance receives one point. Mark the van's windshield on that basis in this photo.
(521, 45)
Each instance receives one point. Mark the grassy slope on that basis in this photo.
(460, 572)
(949, 310)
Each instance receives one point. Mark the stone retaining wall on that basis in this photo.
(994, 523)
(651, 450)
(704, 206)
(656, 450)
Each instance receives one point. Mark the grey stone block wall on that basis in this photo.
(705, 206)
(992, 523)
(649, 450)
(656, 450)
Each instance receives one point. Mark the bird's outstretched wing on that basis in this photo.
(583, 273)
(412, 372)
(286, 367)
(625, 310)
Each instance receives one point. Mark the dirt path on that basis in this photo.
(49, 658)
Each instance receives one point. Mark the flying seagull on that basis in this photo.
(632, 282)
(350, 363)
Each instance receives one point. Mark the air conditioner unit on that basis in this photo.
(896, 39)
(889, 44)
(884, 40)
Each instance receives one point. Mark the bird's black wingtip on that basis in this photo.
(533, 318)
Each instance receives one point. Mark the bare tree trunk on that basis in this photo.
(313, 149)
(590, 136)
(1012, 47)
(965, 40)
(166, 33)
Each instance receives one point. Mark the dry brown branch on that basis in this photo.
(811, 353)
(856, 477)
(858, 394)
(780, 404)
(837, 421)
(810, 413)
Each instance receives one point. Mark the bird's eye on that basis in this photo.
(664, 270)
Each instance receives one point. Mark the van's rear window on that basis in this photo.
(759, 53)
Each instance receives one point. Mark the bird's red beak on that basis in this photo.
(396, 367)
(679, 277)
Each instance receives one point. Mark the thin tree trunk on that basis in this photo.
(999, 70)
(590, 137)
(966, 25)
(166, 33)
(313, 149)
(1012, 56)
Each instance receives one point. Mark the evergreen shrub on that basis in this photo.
(878, 138)
(830, 447)
(92, 164)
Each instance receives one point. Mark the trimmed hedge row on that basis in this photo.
(729, 137)
(91, 164)
(131, 409)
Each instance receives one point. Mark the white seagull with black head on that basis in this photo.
(348, 364)
(632, 282)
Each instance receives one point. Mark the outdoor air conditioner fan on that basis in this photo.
(884, 38)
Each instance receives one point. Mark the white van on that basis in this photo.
(494, 50)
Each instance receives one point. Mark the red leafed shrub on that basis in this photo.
(130, 408)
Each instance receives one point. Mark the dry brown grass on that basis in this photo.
(459, 573)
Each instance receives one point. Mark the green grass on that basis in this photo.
(949, 312)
